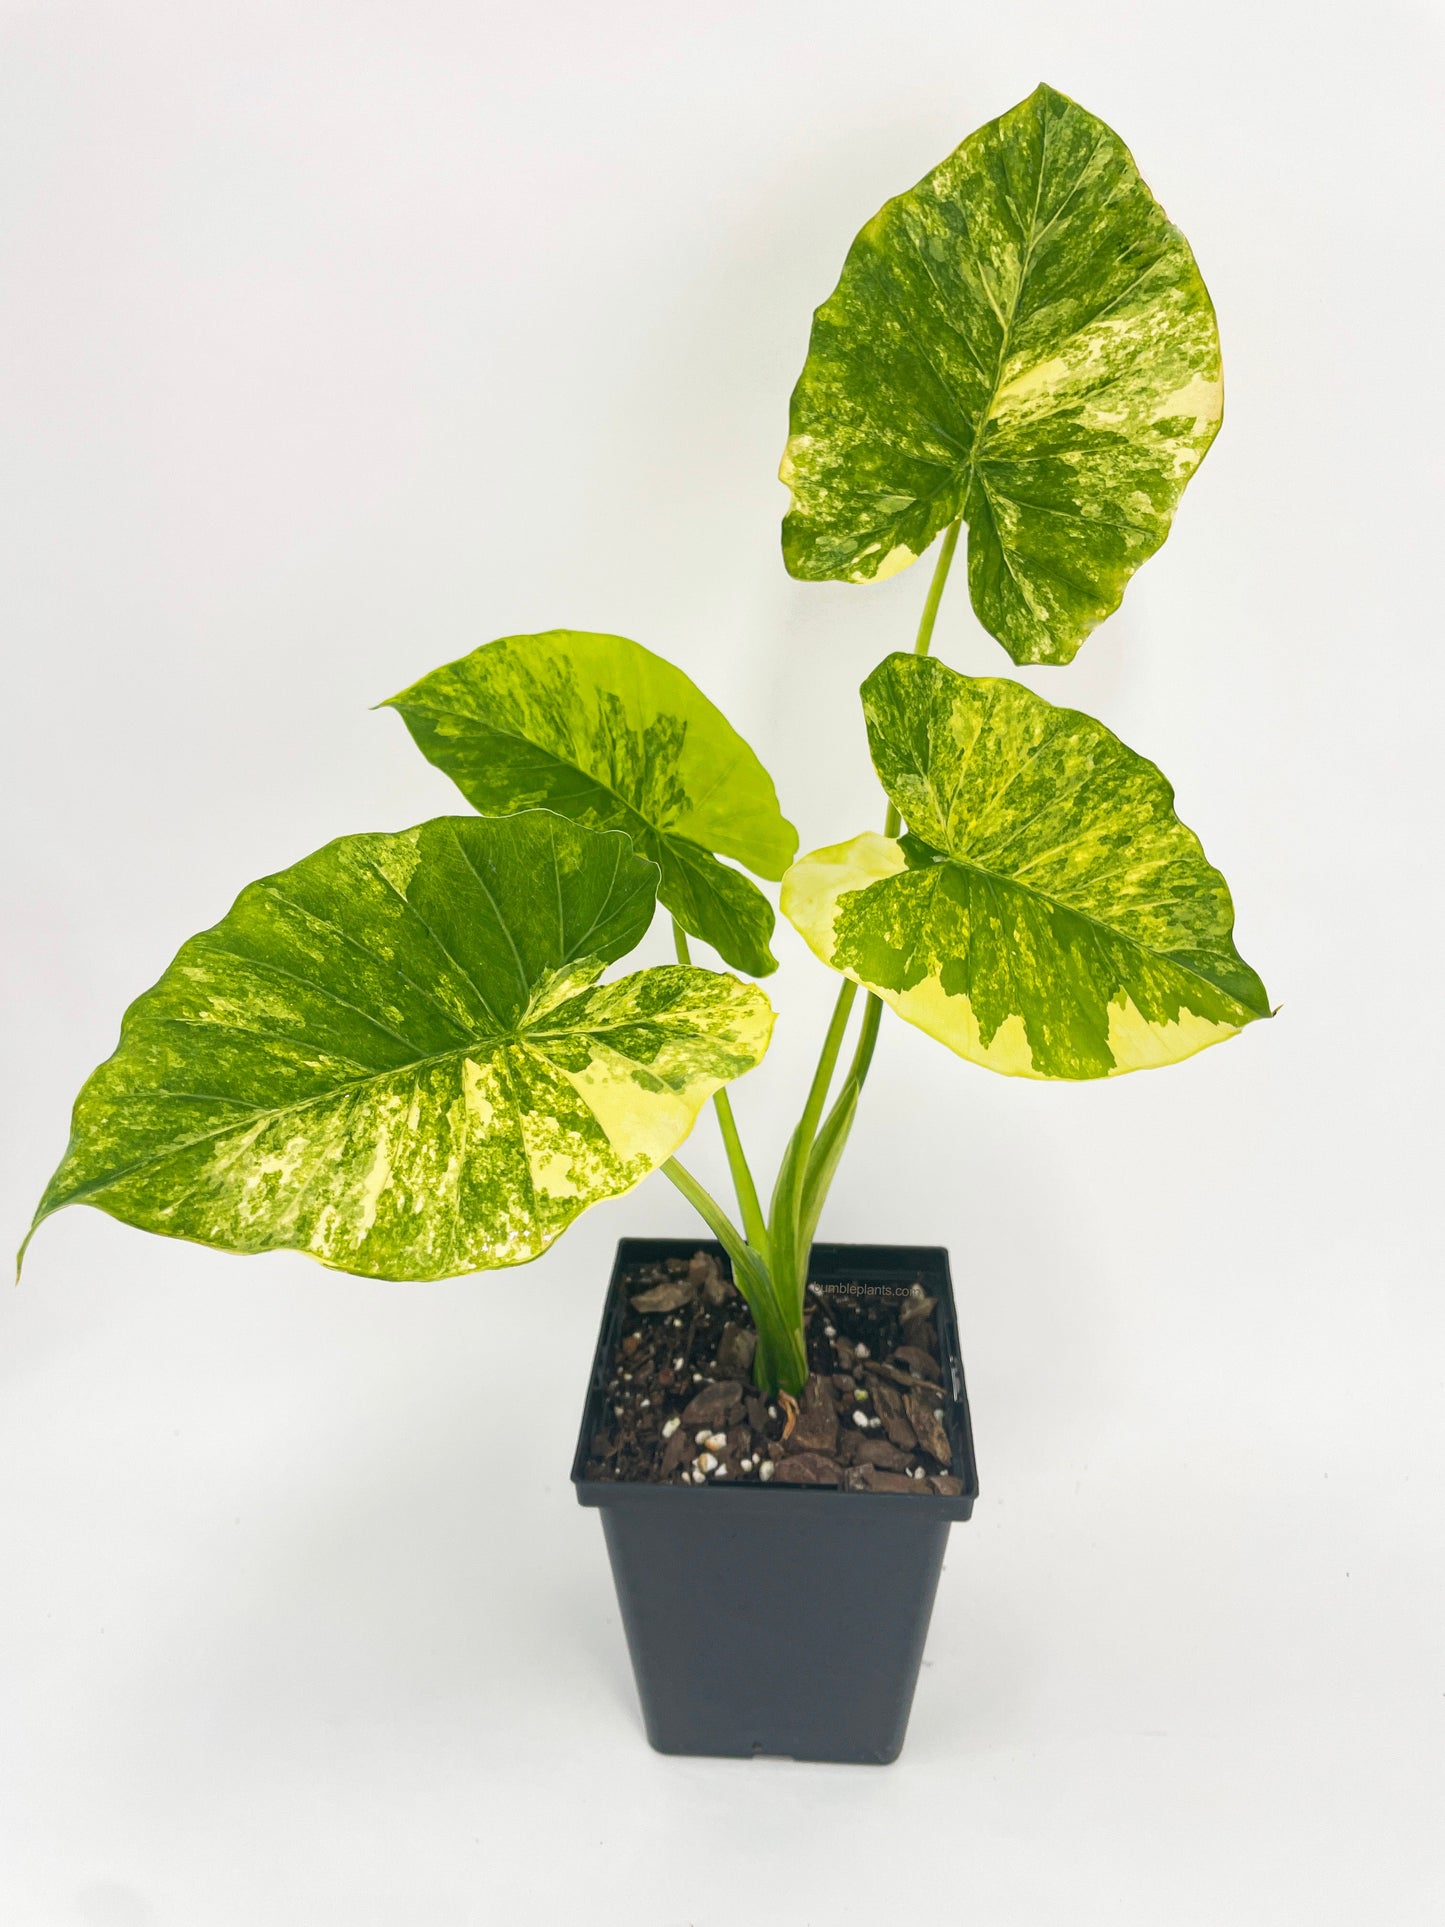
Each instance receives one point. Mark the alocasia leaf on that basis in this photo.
(1022, 339)
(604, 731)
(395, 1056)
(1047, 914)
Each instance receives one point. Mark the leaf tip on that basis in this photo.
(25, 1246)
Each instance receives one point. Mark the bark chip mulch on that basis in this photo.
(683, 1410)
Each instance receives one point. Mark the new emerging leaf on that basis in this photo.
(1022, 339)
(1047, 914)
(395, 1055)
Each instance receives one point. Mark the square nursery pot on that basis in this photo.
(778, 1619)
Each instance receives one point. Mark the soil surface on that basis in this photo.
(682, 1408)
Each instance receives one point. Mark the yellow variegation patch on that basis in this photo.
(1022, 340)
(396, 1058)
(615, 737)
(1047, 915)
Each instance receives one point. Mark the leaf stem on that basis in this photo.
(782, 1359)
(827, 1063)
(705, 1204)
(867, 1038)
(789, 1219)
(923, 641)
(770, 1262)
(941, 567)
(837, 1122)
(747, 1191)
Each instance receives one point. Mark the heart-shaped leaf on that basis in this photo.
(1024, 340)
(1047, 915)
(394, 1056)
(604, 731)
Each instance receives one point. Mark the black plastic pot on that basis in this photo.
(779, 1620)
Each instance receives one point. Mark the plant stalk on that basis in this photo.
(923, 641)
(747, 1191)
(838, 1122)
(827, 1060)
(781, 1359)
(770, 1257)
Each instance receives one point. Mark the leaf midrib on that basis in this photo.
(246, 1119)
(1003, 880)
(971, 471)
(1006, 323)
(665, 831)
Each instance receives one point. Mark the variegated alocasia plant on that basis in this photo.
(400, 1056)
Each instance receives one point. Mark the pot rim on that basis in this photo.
(829, 1263)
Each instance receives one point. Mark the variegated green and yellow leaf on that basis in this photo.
(395, 1055)
(1047, 914)
(1024, 340)
(603, 731)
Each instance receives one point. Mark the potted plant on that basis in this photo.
(403, 1057)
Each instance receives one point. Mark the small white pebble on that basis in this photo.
(704, 1462)
(628, 1377)
(860, 1419)
(721, 1472)
(670, 1426)
(862, 1351)
(697, 1378)
(618, 1410)
(765, 1470)
(746, 1465)
(698, 1477)
(874, 1424)
(938, 1411)
(702, 1437)
(678, 1323)
(643, 1403)
(772, 1411)
(716, 1441)
(678, 1362)
(916, 1473)
(830, 1331)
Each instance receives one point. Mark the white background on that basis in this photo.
(339, 339)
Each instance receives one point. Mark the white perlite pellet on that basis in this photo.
(765, 1470)
(670, 1426)
(860, 1419)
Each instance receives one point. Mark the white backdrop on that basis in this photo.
(341, 338)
